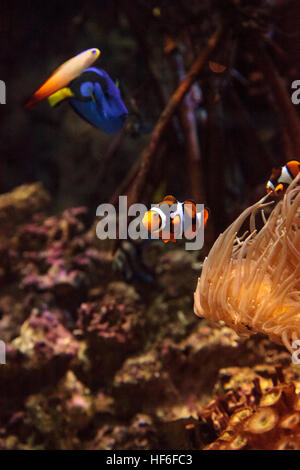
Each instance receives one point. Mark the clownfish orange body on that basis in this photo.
(183, 219)
(282, 177)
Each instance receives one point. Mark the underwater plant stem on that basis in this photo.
(126, 182)
(260, 159)
(145, 48)
(192, 146)
(165, 117)
(139, 33)
(108, 156)
(216, 151)
(288, 112)
(286, 144)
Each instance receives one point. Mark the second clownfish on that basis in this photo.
(183, 219)
(282, 177)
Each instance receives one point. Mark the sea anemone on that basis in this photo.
(252, 282)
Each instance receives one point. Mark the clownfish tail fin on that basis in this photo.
(206, 215)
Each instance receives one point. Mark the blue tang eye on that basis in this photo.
(86, 88)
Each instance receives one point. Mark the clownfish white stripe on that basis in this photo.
(270, 185)
(285, 176)
(162, 217)
(179, 211)
(200, 218)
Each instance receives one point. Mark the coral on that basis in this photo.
(173, 297)
(139, 435)
(260, 410)
(143, 384)
(12, 315)
(44, 339)
(35, 359)
(253, 283)
(55, 255)
(93, 362)
(112, 327)
(19, 205)
(16, 209)
(61, 417)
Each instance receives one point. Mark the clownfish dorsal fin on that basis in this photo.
(293, 167)
(169, 200)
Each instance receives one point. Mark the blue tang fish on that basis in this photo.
(89, 90)
(97, 99)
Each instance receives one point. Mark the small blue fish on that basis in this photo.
(89, 90)
(98, 100)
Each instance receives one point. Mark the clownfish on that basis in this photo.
(282, 177)
(89, 90)
(183, 219)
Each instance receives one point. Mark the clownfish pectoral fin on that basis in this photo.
(167, 240)
(279, 189)
(59, 96)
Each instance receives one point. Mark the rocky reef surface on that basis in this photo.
(94, 362)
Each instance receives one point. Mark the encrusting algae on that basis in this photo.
(253, 283)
